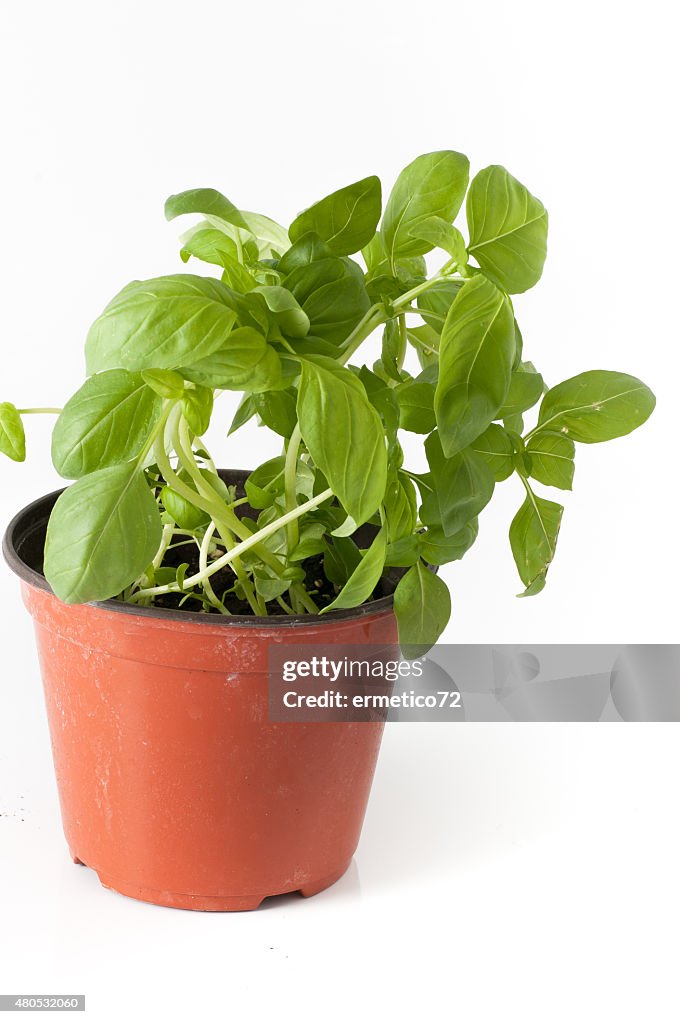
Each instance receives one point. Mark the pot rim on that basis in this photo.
(32, 517)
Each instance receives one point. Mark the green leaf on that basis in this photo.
(103, 532)
(435, 303)
(425, 340)
(388, 280)
(365, 577)
(197, 407)
(311, 542)
(165, 383)
(345, 220)
(597, 406)
(514, 423)
(244, 362)
(206, 201)
(433, 185)
(403, 552)
(422, 605)
(400, 507)
(162, 323)
(271, 237)
(307, 278)
(374, 255)
(292, 320)
(438, 549)
(461, 487)
(508, 229)
(496, 448)
(12, 436)
(334, 309)
(552, 459)
(341, 558)
(416, 406)
(185, 514)
(440, 233)
(268, 585)
(346, 529)
(106, 422)
(533, 536)
(246, 410)
(391, 349)
(526, 388)
(266, 483)
(475, 361)
(210, 245)
(235, 275)
(344, 435)
(307, 250)
(331, 290)
(384, 401)
(277, 410)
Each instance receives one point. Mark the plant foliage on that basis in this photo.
(279, 316)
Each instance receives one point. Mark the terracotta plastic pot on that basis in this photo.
(174, 785)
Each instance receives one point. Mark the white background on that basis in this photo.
(528, 872)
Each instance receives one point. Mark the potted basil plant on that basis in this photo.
(157, 581)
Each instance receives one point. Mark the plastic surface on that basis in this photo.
(174, 786)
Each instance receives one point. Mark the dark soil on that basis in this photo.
(316, 584)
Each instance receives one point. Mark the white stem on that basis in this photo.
(239, 549)
(203, 565)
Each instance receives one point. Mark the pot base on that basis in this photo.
(219, 903)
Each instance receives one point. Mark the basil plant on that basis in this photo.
(280, 317)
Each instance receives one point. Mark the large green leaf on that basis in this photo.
(284, 307)
(552, 459)
(213, 245)
(335, 308)
(385, 279)
(365, 577)
(438, 549)
(206, 201)
(305, 278)
(166, 383)
(416, 406)
(433, 185)
(12, 436)
(508, 229)
(440, 233)
(346, 220)
(475, 362)
(422, 605)
(526, 388)
(344, 435)
(597, 406)
(245, 362)
(277, 410)
(308, 249)
(103, 532)
(272, 238)
(107, 422)
(435, 303)
(161, 323)
(496, 448)
(210, 245)
(533, 537)
(460, 487)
